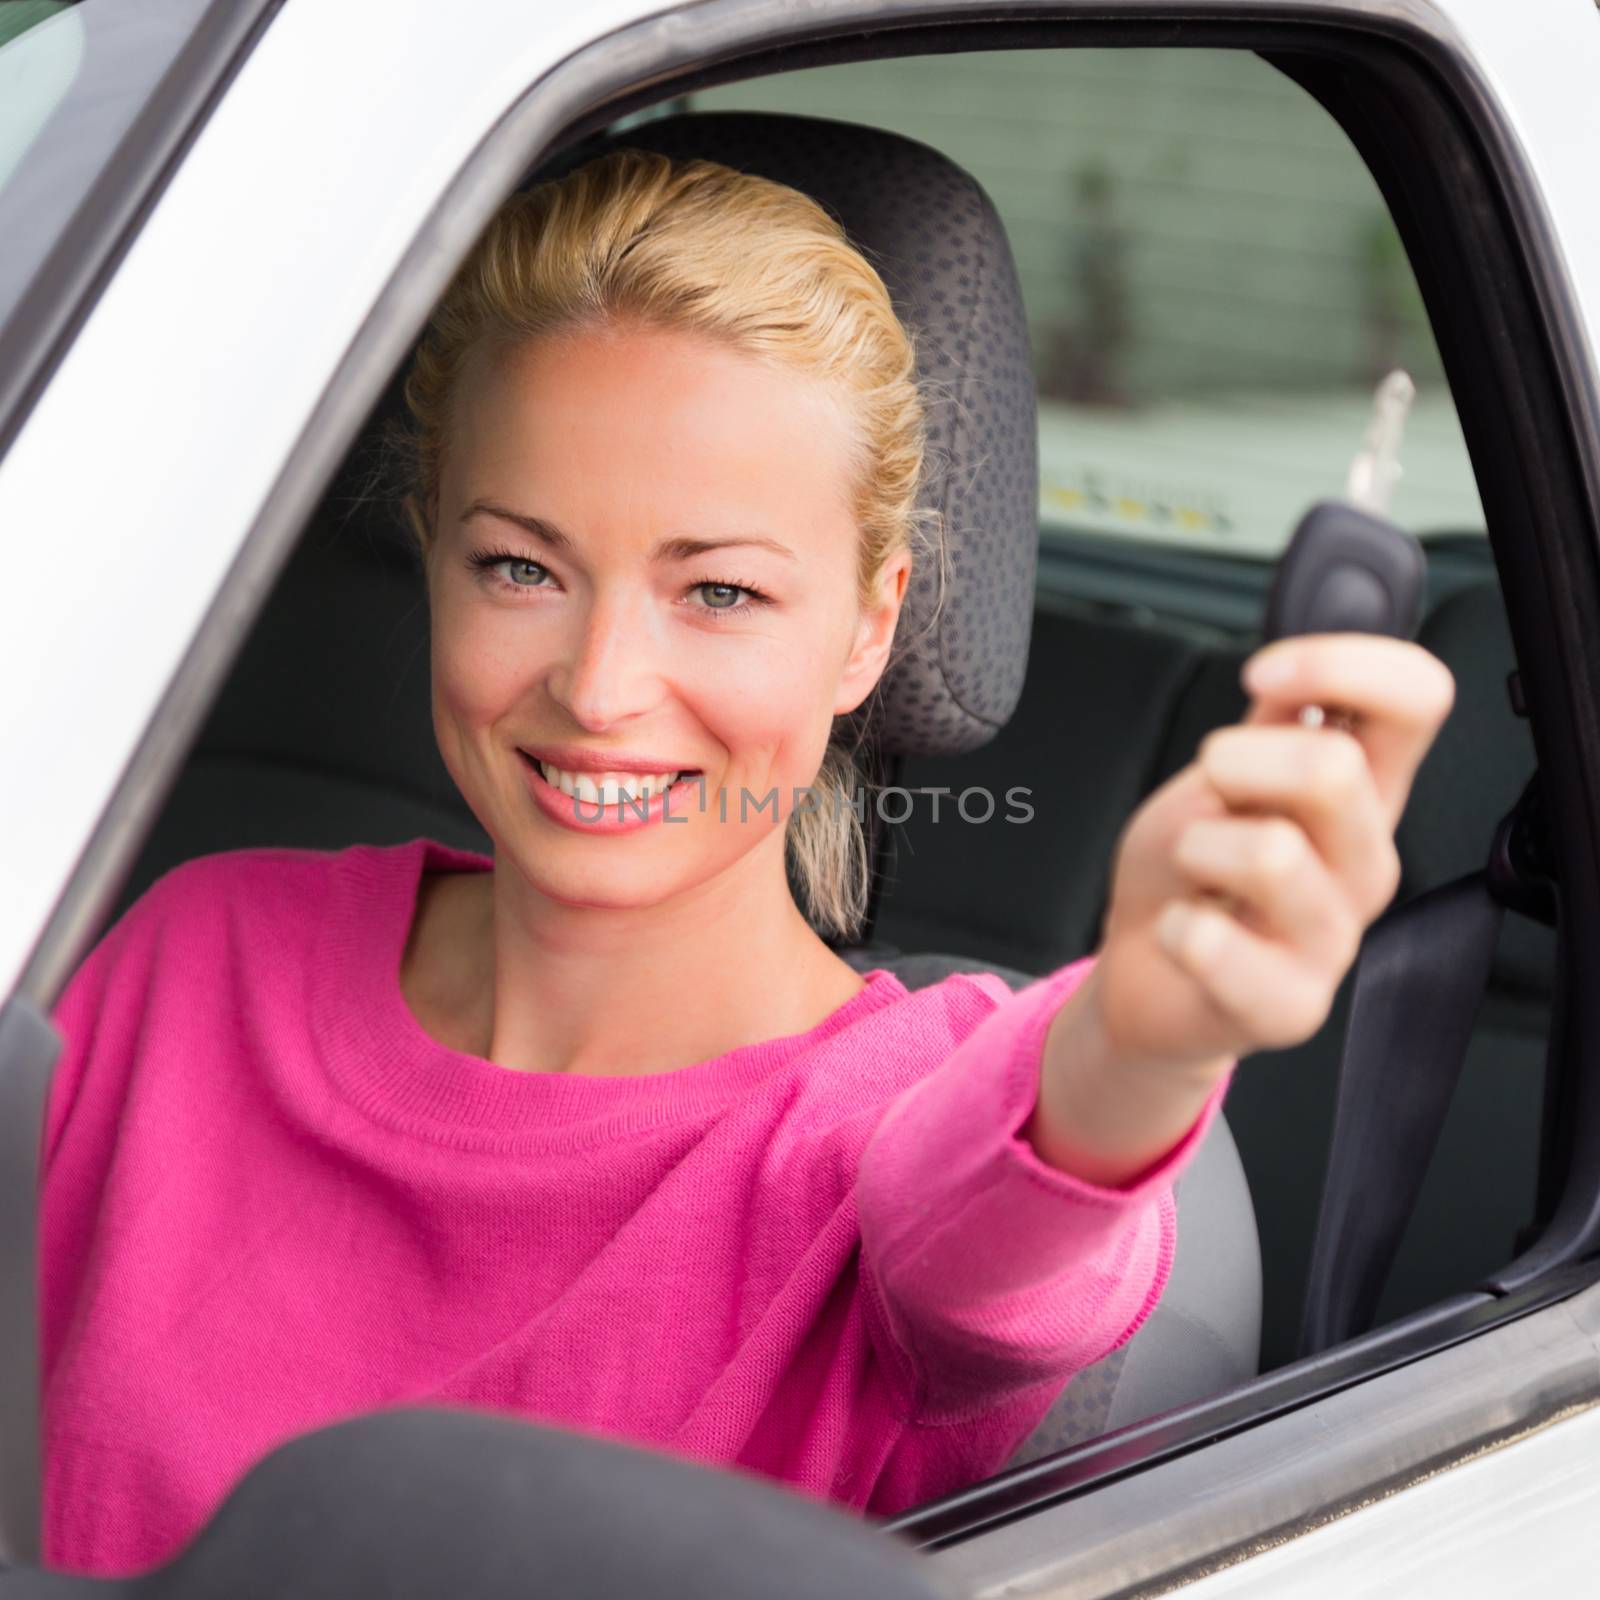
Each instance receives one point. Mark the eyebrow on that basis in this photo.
(675, 549)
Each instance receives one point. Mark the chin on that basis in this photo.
(593, 892)
(610, 888)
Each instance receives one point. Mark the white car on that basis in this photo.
(224, 223)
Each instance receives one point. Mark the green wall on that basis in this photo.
(1184, 220)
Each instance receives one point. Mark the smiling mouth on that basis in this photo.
(608, 788)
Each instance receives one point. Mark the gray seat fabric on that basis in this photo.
(1084, 741)
(323, 734)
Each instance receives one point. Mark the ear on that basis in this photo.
(874, 635)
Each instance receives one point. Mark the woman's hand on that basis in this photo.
(1243, 885)
(1240, 891)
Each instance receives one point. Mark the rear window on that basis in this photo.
(73, 79)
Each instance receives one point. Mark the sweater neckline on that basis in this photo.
(381, 1059)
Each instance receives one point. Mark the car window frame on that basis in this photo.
(1544, 514)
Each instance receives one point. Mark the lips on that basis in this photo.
(589, 815)
(577, 758)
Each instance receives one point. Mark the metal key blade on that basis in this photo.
(1348, 568)
(1377, 463)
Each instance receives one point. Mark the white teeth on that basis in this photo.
(607, 788)
(648, 784)
(556, 778)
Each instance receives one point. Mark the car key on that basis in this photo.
(1348, 568)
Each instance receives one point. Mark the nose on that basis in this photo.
(607, 669)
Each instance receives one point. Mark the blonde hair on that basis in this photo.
(693, 245)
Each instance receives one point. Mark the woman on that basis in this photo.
(599, 1131)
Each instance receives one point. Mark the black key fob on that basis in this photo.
(1347, 571)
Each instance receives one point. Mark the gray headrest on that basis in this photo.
(933, 235)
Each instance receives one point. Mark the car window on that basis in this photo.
(73, 78)
(1214, 285)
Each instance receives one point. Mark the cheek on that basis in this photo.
(773, 713)
(481, 663)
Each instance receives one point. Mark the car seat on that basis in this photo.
(322, 737)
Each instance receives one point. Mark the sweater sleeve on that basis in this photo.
(987, 1270)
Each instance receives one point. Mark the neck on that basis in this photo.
(612, 993)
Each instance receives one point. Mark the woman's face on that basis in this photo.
(665, 582)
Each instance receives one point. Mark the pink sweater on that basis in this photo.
(271, 1201)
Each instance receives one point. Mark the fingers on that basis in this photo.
(1392, 679)
(1261, 989)
(1399, 692)
(1277, 882)
(1319, 778)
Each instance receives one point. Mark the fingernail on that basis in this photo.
(1236, 765)
(1267, 670)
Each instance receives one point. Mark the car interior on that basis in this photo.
(1078, 661)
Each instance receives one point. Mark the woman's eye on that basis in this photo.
(524, 568)
(728, 599)
(522, 573)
